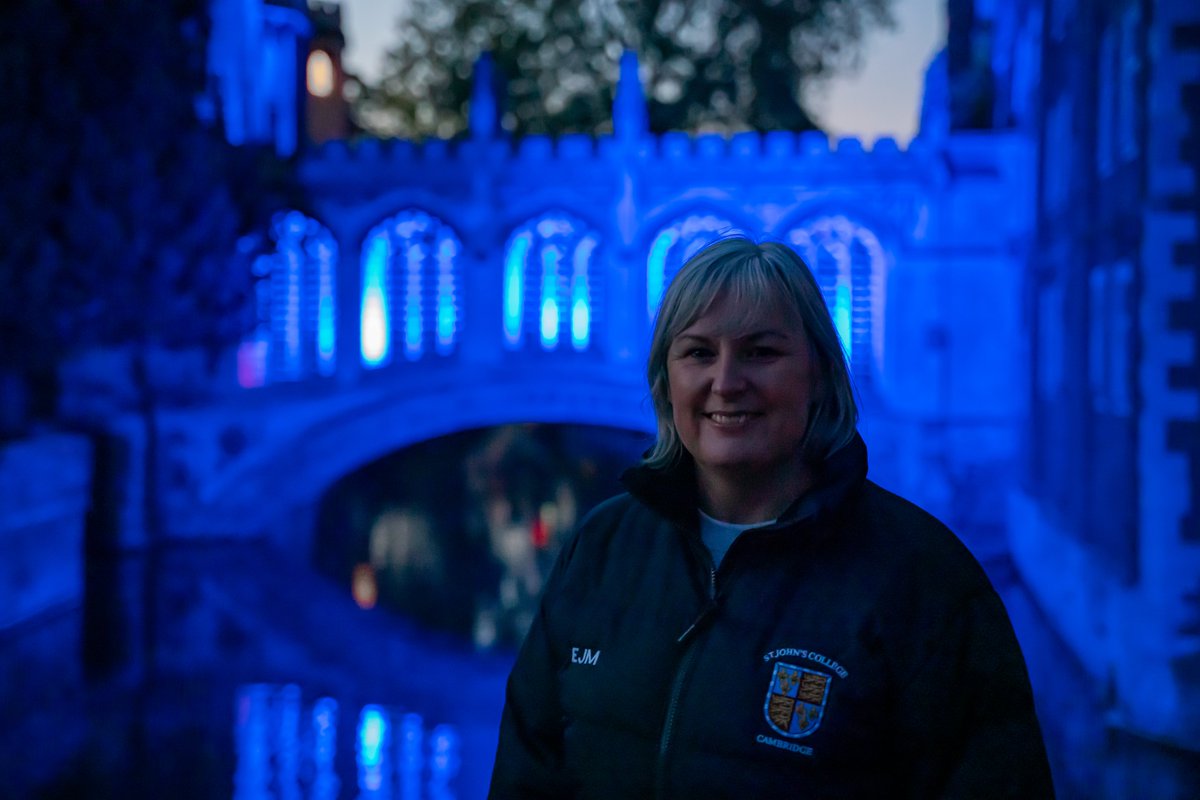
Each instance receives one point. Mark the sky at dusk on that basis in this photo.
(883, 98)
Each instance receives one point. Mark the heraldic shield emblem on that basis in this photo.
(795, 700)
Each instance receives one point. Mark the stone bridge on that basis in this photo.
(447, 285)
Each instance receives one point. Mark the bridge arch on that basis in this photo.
(323, 438)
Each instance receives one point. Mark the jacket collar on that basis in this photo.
(671, 492)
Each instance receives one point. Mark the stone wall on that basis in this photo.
(1104, 530)
(45, 491)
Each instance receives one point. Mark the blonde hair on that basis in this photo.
(754, 275)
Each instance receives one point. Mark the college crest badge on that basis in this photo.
(795, 700)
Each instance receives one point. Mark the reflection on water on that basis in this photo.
(459, 532)
(268, 680)
(286, 751)
(247, 701)
(281, 751)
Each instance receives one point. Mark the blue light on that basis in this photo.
(514, 279)
(324, 731)
(411, 223)
(372, 733)
(414, 321)
(295, 305)
(554, 226)
(445, 758)
(287, 743)
(695, 231)
(326, 310)
(656, 268)
(835, 248)
(252, 747)
(325, 783)
(410, 754)
(841, 316)
(374, 318)
(580, 322)
(374, 765)
(447, 312)
(425, 293)
(550, 314)
(581, 317)
(549, 323)
(290, 318)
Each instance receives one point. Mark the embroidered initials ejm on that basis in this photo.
(587, 656)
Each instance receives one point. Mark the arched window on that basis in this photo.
(551, 292)
(674, 245)
(295, 304)
(410, 296)
(851, 267)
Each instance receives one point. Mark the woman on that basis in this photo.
(754, 618)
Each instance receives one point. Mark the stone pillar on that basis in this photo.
(627, 334)
(349, 311)
(481, 264)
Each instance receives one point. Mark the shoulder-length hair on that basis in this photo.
(755, 277)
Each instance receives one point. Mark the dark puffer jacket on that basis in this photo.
(854, 649)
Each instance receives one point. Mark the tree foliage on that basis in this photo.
(122, 214)
(706, 64)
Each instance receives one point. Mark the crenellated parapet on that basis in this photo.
(640, 203)
(671, 145)
(605, 175)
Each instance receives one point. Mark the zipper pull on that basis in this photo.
(705, 613)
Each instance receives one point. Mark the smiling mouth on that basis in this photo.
(729, 418)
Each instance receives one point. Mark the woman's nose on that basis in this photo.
(728, 377)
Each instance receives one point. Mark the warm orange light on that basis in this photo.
(364, 587)
(320, 74)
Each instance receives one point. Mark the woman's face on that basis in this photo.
(740, 383)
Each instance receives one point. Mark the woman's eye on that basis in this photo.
(763, 352)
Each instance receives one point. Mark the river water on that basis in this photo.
(253, 677)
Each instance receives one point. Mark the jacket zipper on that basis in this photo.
(685, 663)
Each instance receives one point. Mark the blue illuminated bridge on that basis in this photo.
(445, 286)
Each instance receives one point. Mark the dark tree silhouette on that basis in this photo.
(125, 222)
(123, 217)
(706, 64)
